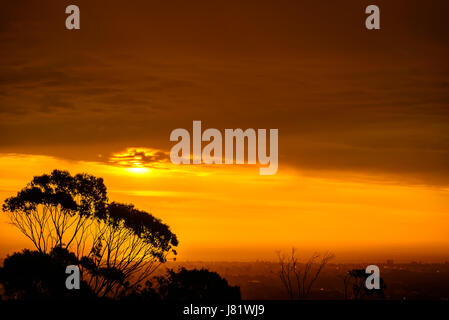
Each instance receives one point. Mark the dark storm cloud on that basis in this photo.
(342, 98)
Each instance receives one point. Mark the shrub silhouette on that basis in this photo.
(355, 287)
(36, 275)
(188, 285)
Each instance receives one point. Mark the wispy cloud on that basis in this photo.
(140, 158)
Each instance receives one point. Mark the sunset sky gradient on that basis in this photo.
(363, 119)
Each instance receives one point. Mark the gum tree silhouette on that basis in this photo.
(355, 288)
(298, 280)
(116, 245)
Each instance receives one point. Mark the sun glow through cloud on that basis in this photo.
(138, 170)
(206, 204)
(139, 158)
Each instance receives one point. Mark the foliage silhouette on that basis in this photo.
(37, 275)
(53, 210)
(188, 285)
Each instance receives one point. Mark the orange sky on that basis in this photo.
(233, 213)
(362, 118)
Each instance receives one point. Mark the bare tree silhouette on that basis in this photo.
(298, 280)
